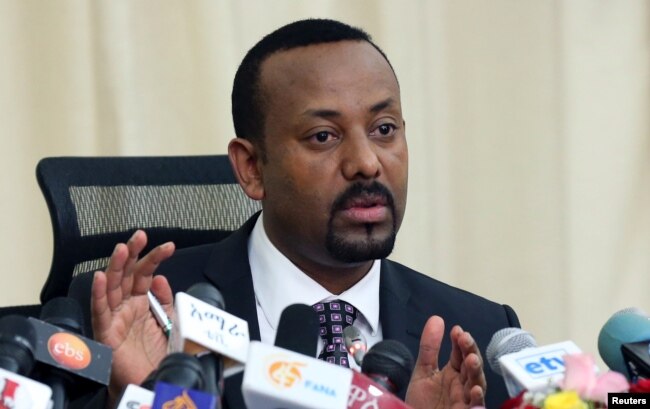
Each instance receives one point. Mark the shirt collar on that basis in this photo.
(278, 283)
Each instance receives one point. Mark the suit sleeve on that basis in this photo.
(511, 315)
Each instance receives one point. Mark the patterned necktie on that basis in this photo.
(334, 316)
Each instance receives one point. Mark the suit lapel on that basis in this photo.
(401, 320)
(229, 270)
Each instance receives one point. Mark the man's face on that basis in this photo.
(335, 174)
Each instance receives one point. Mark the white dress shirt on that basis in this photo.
(278, 283)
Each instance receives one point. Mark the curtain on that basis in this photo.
(528, 125)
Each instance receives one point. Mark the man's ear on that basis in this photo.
(246, 162)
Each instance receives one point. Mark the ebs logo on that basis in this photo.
(69, 350)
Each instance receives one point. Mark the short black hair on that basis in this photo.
(247, 109)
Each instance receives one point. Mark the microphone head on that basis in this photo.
(17, 344)
(391, 359)
(625, 326)
(507, 341)
(630, 310)
(355, 343)
(64, 312)
(208, 294)
(298, 330)
(178, 369)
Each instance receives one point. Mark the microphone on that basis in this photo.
(298, 330)
(17, 343)
(507, 341)
(211, 363)
(390, 364)
(65, 313)
(623, 343)
(69, 363)
(278, 378)
(135, 397)
(637, 359)
(288, 376)
(179, 381)
(355, 343)
(178, 369)
(530, 367)
(367, 394)
(168, 396)
(201, 326)
(17, 391)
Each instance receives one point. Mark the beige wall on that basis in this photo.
(528, 126)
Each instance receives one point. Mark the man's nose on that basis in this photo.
(360, 158)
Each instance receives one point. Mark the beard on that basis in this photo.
(347, 250)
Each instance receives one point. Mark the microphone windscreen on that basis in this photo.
(178, 369)
(298, 330)
(208, 294)
(64, 312)
(391, 359)
(17, 344)
(625, 326)
(355, 343)
(507, 341)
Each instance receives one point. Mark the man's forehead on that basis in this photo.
(325, 64)
(324, 60)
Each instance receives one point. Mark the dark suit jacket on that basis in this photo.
(407, 300)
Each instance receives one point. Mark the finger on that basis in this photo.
(163, 292)
(456, 357)
(114, 274)
(135, 245)
(477, 397)
(467, 344)
(432, 334)
(146, 266)
(100, 311)
(475, 374)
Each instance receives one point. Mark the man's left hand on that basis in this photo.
(459, 384)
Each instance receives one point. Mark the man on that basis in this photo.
(321, 143)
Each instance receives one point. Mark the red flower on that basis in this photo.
(641, 386)
(514, 403)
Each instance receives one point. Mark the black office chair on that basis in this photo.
(97, 202)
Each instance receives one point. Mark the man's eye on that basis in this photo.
(384, 130)
(322, 136)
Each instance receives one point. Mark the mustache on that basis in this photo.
(360, 190)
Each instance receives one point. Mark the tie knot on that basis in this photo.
(334, 316)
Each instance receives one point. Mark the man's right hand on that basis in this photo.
(121, 317)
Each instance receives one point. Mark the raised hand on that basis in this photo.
(459, 384)
(121, 317)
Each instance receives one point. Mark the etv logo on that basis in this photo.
(69, 350)
(544, 364)
(285, 374)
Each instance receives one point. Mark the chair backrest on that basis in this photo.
(96, 202)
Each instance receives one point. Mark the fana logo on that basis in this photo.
(285, 374)
(69, 350)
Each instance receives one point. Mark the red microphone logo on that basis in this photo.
(8, 394)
